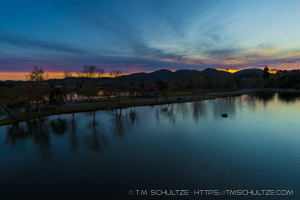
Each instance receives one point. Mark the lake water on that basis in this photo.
(184, 146)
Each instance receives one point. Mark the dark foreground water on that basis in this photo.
(159, 149)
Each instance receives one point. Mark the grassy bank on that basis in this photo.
(113, 105)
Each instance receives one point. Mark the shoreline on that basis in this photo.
(125, 104)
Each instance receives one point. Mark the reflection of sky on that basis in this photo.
(188, 144)
(148, 35)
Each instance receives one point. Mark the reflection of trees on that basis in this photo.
(182, 109)
(157, 116)
(265, 97)
(72, 134)
(169, 113)
(17, 133)
(199, 110)
(120, 123)
(288, 96)
(250, 101)
(165, 111)
(172, 111)
(253, 98)
(224, 105)
(95, 139)
(59, 126)
(37, 129)
(239, 100)
(133, 116)
(42, 137)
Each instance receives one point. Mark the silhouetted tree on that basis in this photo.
(115, 75)
(266, 74)
(90, 72)
(85, 90)
(11, 99)
(108, 92)
(272, 83)
(35, 81)
(56, 97)
(70, 84)
(198, 81)
(161, 85)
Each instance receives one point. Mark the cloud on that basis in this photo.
(148, 37)
(48, 45)
(221, 53)
(120, 34)
(288, 61)
(266, 45)
(260, 66)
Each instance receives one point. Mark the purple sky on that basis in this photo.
(147, 35)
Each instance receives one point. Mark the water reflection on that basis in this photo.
(37, 130)
(94, 129)
(122, 122)
(199, 110)
(264, 97)
(95, 139)
(59, 126)
(73, 138)
(288, 97)
(107, 153)
(182, 109)
(224, 105)
(133, 116)
(167, 112)
(16, 133)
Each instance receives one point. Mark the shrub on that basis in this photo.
(297, 87)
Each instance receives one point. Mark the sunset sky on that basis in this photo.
(145, 35)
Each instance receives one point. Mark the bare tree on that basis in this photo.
(8, 99)
(90, 72)
(35, 80)
(198, 81)
(184, 82)
(108, 92)
(171, 84)
(69, 81)
(115, 74)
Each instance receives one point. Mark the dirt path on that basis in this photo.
(162, 98)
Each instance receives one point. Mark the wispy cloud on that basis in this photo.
(288, 61)
(47, 45)
(159, 34)
(260, 66)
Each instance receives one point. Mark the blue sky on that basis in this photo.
(148, 35)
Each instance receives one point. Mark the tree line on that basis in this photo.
(14, 97)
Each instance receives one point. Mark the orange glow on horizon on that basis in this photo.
(59, 75)
(230, 70)
(15, 76)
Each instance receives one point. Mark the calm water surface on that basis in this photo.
(184, 146)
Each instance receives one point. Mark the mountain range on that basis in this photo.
(164, 74)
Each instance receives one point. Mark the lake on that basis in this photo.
(172, 151)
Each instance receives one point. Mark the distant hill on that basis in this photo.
(164, 74)
(249, 71)
(212, 71)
